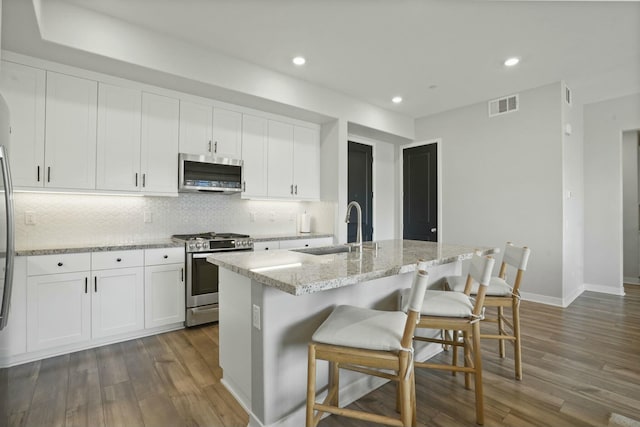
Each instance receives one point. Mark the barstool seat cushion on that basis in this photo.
(497, 287)
(364, 328)
(443, 304)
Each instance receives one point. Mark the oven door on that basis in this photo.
(202, 280)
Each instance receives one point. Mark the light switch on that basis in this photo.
(256, 316)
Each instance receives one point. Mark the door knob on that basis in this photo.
(433, 230)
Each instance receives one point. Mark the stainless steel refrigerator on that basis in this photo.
(7, 243)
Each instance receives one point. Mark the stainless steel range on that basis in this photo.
(202, 277)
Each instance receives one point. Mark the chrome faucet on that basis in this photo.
(359, 211)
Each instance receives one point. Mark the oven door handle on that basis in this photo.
(200, 255)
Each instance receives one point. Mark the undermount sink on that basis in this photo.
(325, 250)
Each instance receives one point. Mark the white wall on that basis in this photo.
(502, 181)
(604, 123)
(631, 227)
(84, 220)
(572, 197)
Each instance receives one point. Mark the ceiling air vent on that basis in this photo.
(504, 105)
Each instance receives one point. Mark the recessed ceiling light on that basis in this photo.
(511, 61)
(396, 99)
(299, 60)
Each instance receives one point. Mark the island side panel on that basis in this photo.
(235, 334)
(279, 357)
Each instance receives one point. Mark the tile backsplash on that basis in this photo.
(67, 220)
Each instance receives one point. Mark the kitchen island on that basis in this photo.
(272, 302)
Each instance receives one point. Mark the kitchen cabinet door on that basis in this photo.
(164, 293)
(280, 160)
(58, 310)
(159, 144)
(24, 90)
(227, 133)
(196, 123)
(117, 301)
(70, 132)
(118, 148)
(254, 156)
(306, 163)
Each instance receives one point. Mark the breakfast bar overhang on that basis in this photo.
(272, 302)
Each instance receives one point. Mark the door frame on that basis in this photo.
(438, 142)
(372, 143)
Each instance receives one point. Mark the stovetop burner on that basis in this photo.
(209, 236)
(213, 242)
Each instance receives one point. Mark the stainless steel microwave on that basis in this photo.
(205, 173)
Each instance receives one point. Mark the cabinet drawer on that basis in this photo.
(161, 256)
(116, 259)
(306, 243)
(266, 246)
(59, 263)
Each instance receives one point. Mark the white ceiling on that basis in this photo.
(436, 54)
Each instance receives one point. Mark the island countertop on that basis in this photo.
(299, 273)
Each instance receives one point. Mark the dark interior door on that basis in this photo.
(420, 185)
(360, 189)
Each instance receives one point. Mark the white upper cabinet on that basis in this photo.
(118, 149)
(159, 144)
(280, 160)
(254, 156)
(210, 131)
(227, 133)
(24, 90)
(196, 124)
(70, 132)
(306, 163)
(293, 162)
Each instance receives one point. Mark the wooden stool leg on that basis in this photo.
(501, 331)
(467, 359)
(414, 417)
(516, 333)
(478, 374)
(334, 383)
(404, 383)
(311, 385)
(454, 358)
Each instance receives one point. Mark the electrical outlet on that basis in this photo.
(30, 218)
(148, 217)
(256, 316)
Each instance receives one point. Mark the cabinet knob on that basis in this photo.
(166, 256)
(59, 264)
(119, 259)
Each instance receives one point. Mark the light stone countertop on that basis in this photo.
(300, 273)
(285, 236)
(148, 244)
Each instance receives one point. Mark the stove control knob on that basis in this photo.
(192, 246)
(199, 245)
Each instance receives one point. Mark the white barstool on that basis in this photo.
(372, 342)
(501, 294)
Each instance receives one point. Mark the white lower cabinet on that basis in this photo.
(164, 294)
(292, 243)
(58, 310)
(164, 286)
(117, 301)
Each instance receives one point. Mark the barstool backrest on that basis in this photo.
(515, 257)
(416, 298)
(480, 271)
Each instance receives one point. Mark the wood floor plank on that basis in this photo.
(159, 411)
(144, 378)
(191, 359)
(48, 405)
(121, 408)
(228, 409)
(84, 399)
(111, 365)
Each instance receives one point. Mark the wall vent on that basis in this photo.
(504, 105)
(567, 95)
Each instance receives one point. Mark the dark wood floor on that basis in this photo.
(581, 365)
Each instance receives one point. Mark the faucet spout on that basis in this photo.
(359, 229)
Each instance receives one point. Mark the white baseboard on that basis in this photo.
(632, 280)
(619, 290)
